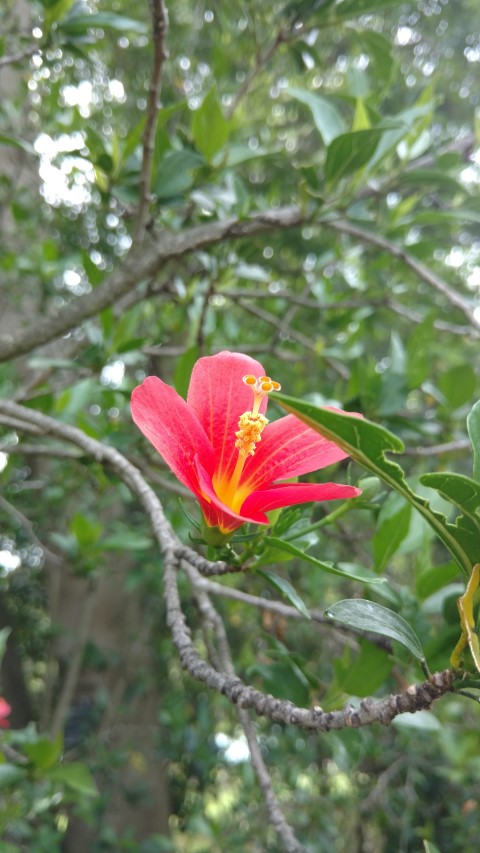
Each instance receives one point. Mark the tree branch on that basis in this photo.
(284, 831)
(420, 269)
(141, 263)
(415, 698)
(159, 33)
(20, 56)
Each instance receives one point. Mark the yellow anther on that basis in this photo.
(250, 427)
(249, 433)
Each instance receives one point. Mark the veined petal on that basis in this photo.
(218, 397)
(291, 494)
(216, 513)
(289, 448)
(174, 430)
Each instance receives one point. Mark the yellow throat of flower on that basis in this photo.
(250, 427)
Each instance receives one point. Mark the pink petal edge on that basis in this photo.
(290, 448)
(169, 424)
(292, 494)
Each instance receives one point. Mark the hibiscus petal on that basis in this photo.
(216, 513)
(218, 397)
(290, 494)
(289, 448)
(174, 430)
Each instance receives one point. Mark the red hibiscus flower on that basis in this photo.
(220, 445)
(5, 710)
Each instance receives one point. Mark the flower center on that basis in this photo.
(250, 427)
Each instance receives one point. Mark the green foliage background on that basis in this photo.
(362, 114)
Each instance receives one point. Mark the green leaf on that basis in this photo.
(473, 427)
(377, 619)
(379, 49)
(352, 574)
(434, 578)
(183, 369)
(350, 151)
(75, 776)
(283, 680)
(10, 774)
(458, 385)
(175, 173)
(362, 674)
(210, 129)
(287, 590)
(86, 532)
(430, 847)
(392, 529)
(80, 24)
(464, 493)
(368, 443)
(127, 540)
(43, 753)
(328, 119)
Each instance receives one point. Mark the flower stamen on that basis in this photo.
(250, 427)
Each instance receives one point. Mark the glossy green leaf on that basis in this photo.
(327, 117)
(364, 576)
(183, 369)
(368, 443)
(392, 529)
(377, 619)
(283, 586)
(473, 427)
(464, 493)
(210, 128)
(349, 152)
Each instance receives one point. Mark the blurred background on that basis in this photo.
(364, 115)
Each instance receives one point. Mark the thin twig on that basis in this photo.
(27, 525)
(303, 301)
(286, 610)
(438, 449)
(39, 449)
(288, 331)
(418, 267)
(442, 325)
(159, 33)
(261, 60)
(284, 831)
(19, 57)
